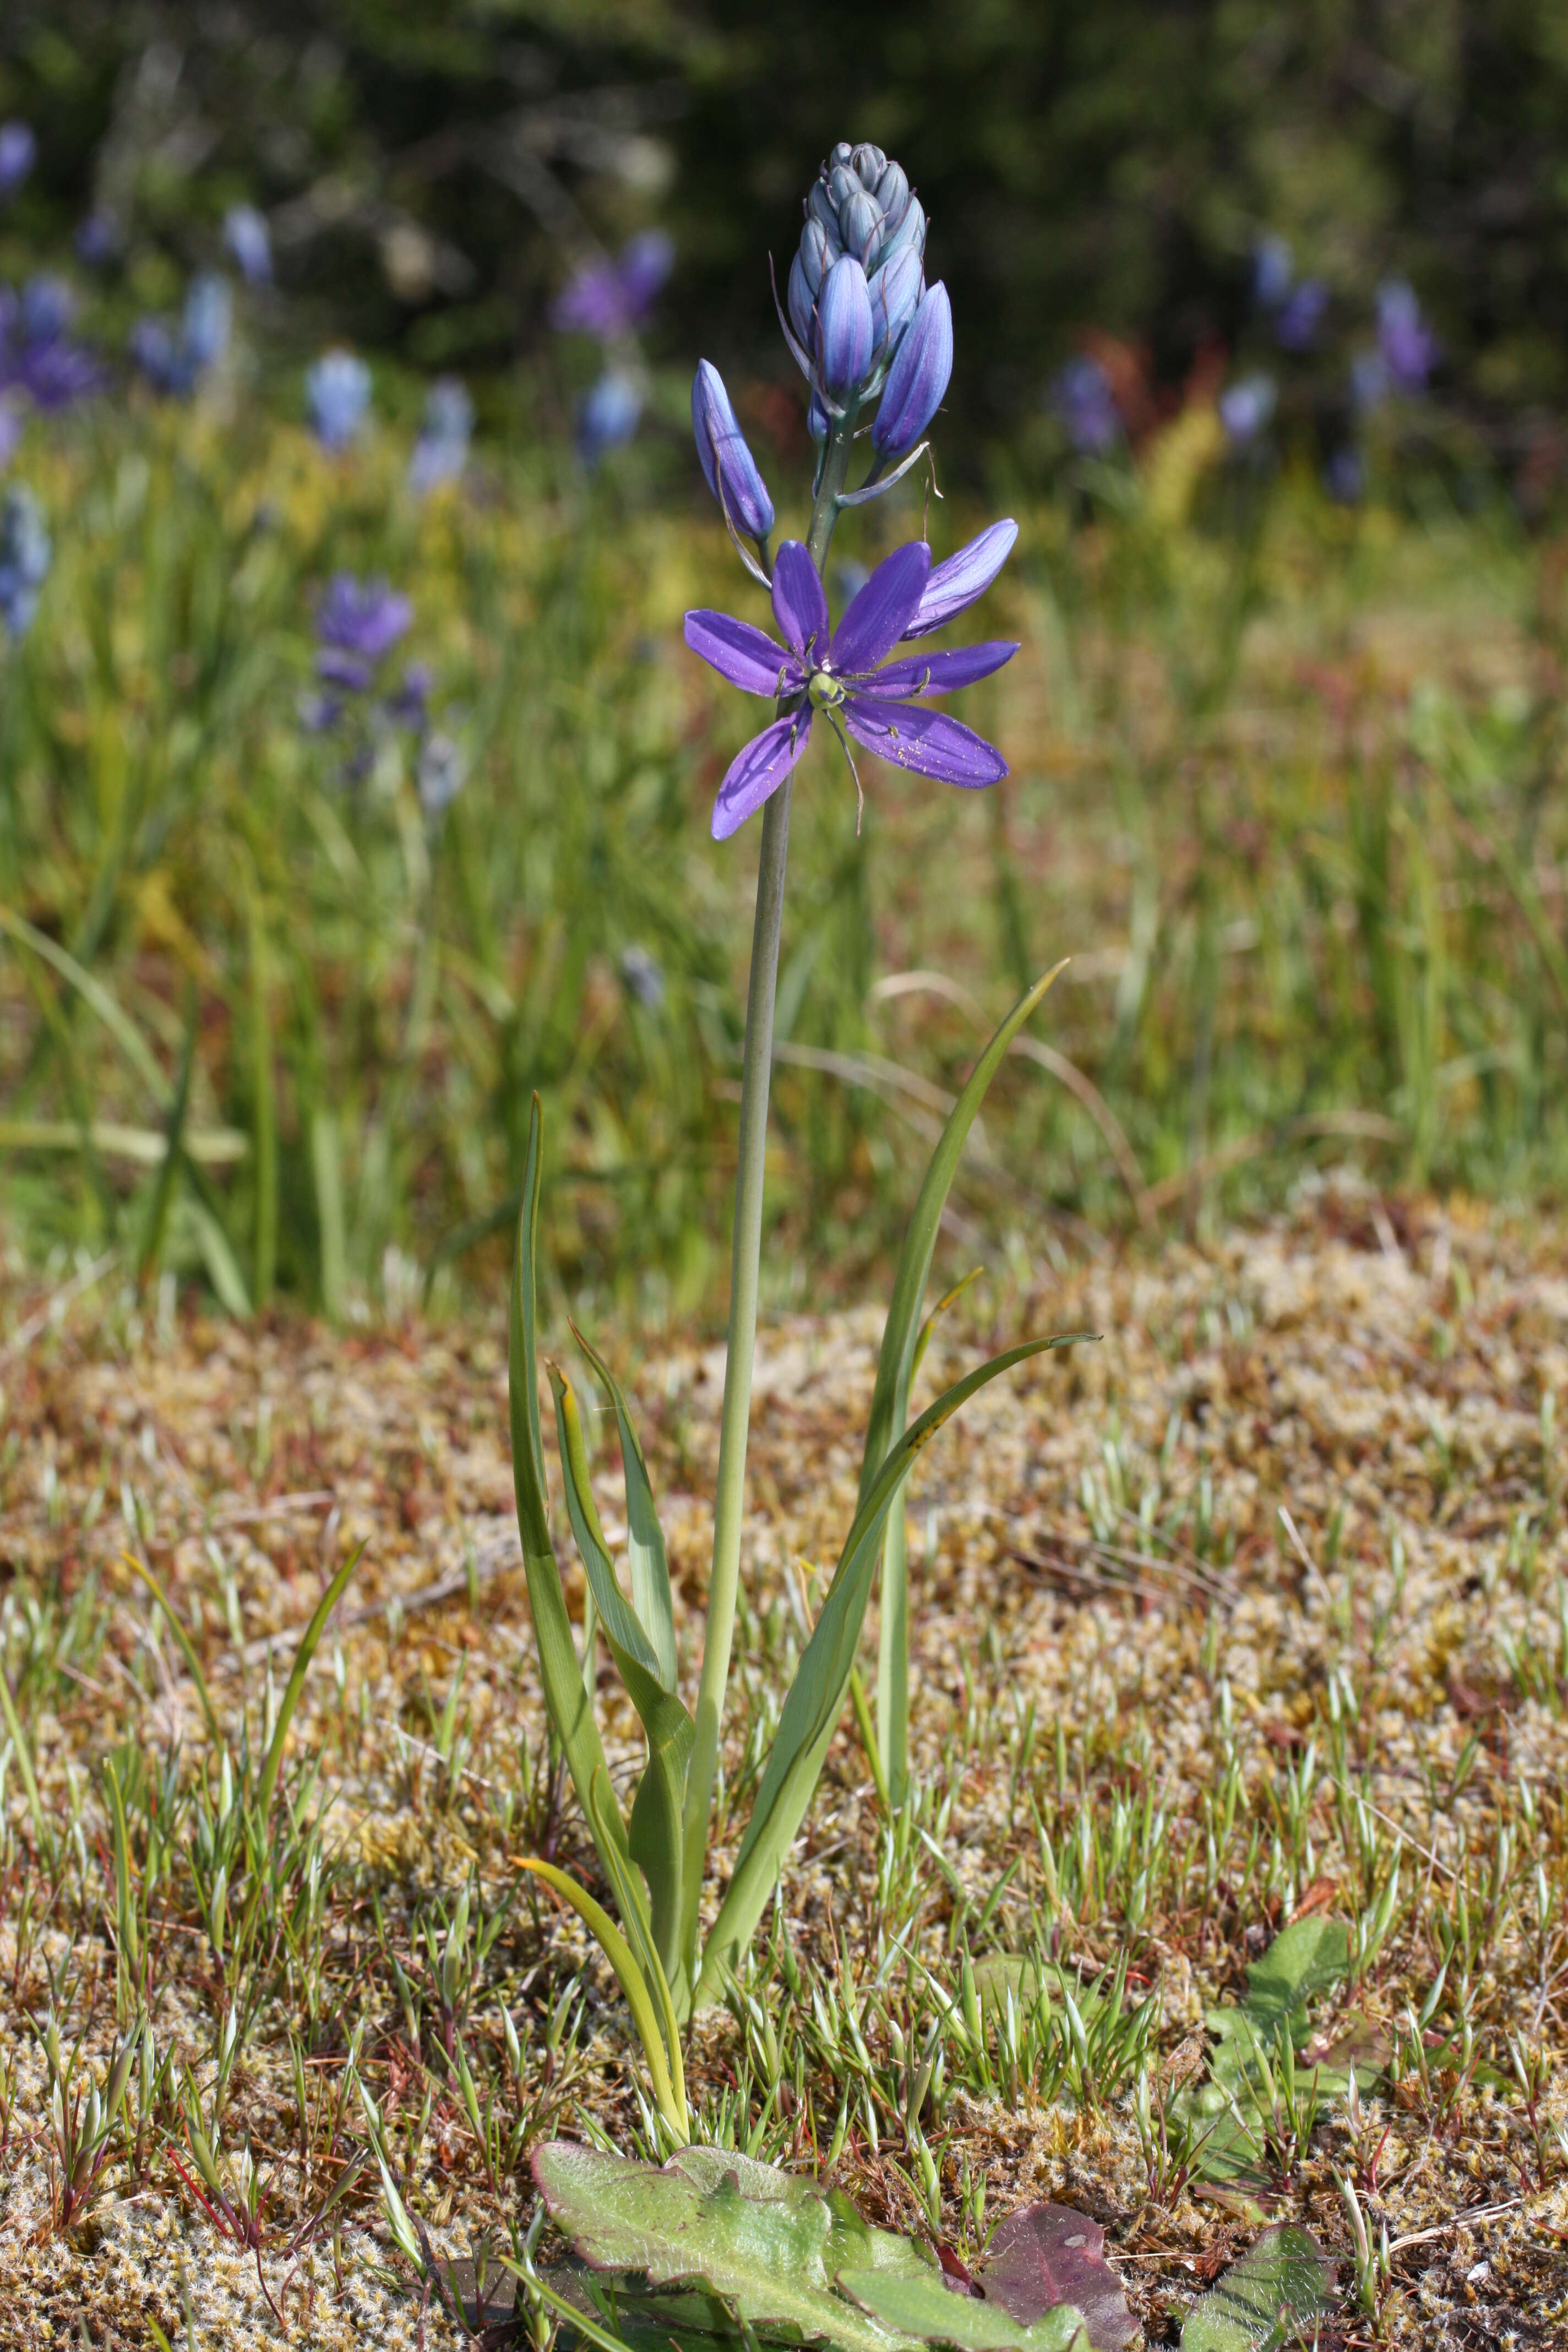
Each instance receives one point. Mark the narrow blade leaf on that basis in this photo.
(565, 1695)
(645, 1537)
(816, 1697)
(628, 1975)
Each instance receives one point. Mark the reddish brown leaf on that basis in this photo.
(1046, 2255)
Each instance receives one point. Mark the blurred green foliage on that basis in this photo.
(1287, 782)
(1107, 167)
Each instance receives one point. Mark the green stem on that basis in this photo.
(730, 1500)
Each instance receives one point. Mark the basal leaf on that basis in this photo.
(645, 1537)
(1046, 2255)
(815, 1697)
(1277, 2290)
(1306, 1957)
(922, 2307)
(762, 2243)
(565, 1695)
(655, 1833)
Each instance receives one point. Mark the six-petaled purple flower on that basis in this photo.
(844, 674)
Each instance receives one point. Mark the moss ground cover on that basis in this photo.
(1156, 1721)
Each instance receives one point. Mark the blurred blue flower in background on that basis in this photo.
(608, 416)
(642, 976)
(441, 451)
(1082, 398)
(1301, 315)
(18, 153)
(1273, 267)
(25, 555)
(358, 622)
(249, 243)
(38, 356)
(1245, 408)
(440, 775)
(10, 433)
(611, 299)
(97, 239)
(176, 363)
(1408, 348)
(1343, 476)
(337, 396)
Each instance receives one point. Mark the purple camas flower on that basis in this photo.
(608, 416)
(728, 465)
(845, 673)
(38, 356)
(176, 363)
(358, 623)
(612, 299)
(1406, 344)
(845, 331)
(1082, 398)
(1246, 407)
(1300, 316)
(25, 555)
(864, 236)
(441, 452)
(18, 153)
(337, 397)
(249, 243)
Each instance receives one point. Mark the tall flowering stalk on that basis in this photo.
(875, 345)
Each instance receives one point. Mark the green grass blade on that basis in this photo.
(812, 1708)
(306, 1651)
(186, 1647)
(645, 1537)
(889, 1399)
(655, 1840)
(157, 1217)
(561, 1672)
(92, 992)
(263, 1112)
(24, 1761)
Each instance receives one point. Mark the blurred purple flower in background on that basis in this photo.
(358, 622)
(643, 978)
(1301, 315)
(440, 775)
(176, 363)
(1408, 348)
(337, 398)
(1082, 398)
(1245, 408)
(97, 239)
(441, 451)
(38, 356)
(611, 299)
(845, 673)
(18, 153)
(10, 433)
(249, 243)
(25, 555)
(608, 416)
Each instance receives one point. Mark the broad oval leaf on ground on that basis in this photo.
(1046, 2255)
(762, 2242)
(1281, 2286)
(922, 2307)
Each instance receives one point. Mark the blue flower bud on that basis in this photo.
(895, 291)
(917, 377)
(868, 163)
(910, 231)
(892, 193)
(818, 419)
(841, 185)
(816, 255)
(821, 208)
(728, 466)
(840, 154)
(844, 333)
(860, 227)
(801, 300)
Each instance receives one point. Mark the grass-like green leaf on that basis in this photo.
(310, 1640)
(765, 2245)
(645, 1537)
(922, 2307)
(567, 1694)
(628, 1975)
(1277, 2290)
(812, 1708)
(655, 1840)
